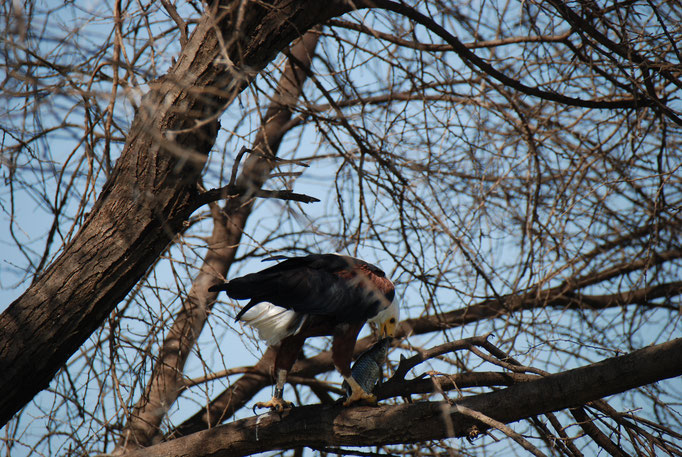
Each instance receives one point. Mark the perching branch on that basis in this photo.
(236, 396)
(318, 426)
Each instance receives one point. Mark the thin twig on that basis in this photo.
(235, 166)
(406, 364)
(500, 426)
(182, 25)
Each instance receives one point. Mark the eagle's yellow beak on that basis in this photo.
(386, 322)
(388, 327)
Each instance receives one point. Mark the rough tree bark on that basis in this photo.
(319, 426)
(151, 193)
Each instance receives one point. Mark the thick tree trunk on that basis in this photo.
(319, 426)
(150, 194)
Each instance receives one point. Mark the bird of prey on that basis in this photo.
(315, 295)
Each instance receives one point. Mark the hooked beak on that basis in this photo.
(385, 324)
(388, 328)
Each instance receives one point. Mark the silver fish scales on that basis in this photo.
(367, 368)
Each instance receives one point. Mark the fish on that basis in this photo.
(367, 368)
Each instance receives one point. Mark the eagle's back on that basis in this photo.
(341, 287)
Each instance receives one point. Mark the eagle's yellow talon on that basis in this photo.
(358, 393)
(275, 404)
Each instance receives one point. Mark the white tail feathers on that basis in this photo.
(273, 323)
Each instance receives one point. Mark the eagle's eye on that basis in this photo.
(392, 320)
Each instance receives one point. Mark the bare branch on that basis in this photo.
(318, 426)
(182, 26)
(229, 191)
(469, 57)
(492, 423)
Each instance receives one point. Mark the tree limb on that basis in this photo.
(235, 191)
(236, 396)
(471, 58)
(319, 426)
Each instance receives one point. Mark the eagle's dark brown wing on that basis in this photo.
(344, 288)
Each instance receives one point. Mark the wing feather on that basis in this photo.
(318, 284)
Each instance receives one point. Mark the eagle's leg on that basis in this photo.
(277, 403)
(343, 346)
(286, 356)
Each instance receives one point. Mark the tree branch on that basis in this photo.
(242, 193)
(469, 57)
(319, 426)
(235, 397)
(490, 422)
(431, 47)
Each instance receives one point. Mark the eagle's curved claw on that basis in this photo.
(275, 404)
(360, 395)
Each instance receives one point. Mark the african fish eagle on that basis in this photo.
(315, 295)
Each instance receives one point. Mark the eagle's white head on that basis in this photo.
(386, 321)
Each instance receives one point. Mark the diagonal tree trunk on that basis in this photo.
(167, 377)
(151, 192)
